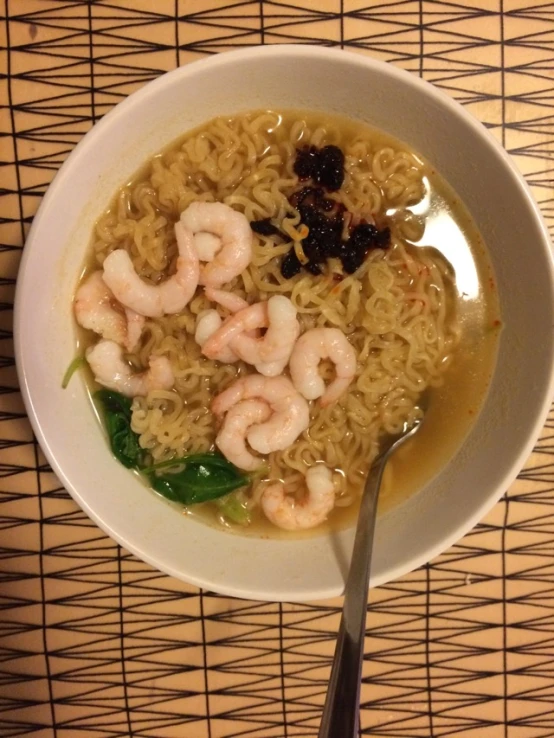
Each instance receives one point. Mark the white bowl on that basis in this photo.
(307, 78)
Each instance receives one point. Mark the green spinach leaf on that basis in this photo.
(210, 458)
(195, 478)
(116, 409)
(188, 480)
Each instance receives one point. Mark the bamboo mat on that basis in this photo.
(93, 642)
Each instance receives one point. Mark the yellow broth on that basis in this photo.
(452, 407)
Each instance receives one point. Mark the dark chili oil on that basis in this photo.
(324, 217)
(324, 166)
(324, 241)
(266, 228)
(363, 238)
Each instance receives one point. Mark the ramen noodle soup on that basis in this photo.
(267, 300)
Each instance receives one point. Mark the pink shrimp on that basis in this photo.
(151, 300)
(290, 412)
(232, 227)
(269, 353)
(309, 350)
(109, 368)
(285, 512)
(96, 309)
(231, 439)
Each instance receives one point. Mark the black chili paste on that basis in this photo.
(324, 218)
(325, 166)
(266, 228)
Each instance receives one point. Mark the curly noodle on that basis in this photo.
(398, 309)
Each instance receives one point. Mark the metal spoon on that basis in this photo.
(341, 710)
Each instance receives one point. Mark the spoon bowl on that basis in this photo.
(331, 81)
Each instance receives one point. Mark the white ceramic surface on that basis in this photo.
(287, 77)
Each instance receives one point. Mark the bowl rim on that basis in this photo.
(278, 51)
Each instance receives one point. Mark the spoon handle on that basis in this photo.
(341, 717)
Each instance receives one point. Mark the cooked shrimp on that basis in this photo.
(290, 417)
(269, 353)
(135, 324)
(231, 302)
(231, 439)
(207, 245)
(165, 298)
(234, 231)
(207, 324)
(210, 321)
(96, 310)
(313, 346)
(284, 511)
(112, 371)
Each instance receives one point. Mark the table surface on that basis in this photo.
(96, 643)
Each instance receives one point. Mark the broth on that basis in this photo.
(452, 406)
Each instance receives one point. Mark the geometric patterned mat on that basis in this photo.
(95, 643)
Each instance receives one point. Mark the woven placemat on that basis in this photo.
(95, 643)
